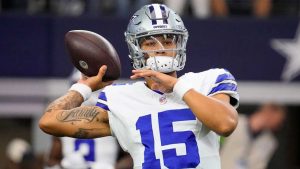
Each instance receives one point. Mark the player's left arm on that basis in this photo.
(215, 111)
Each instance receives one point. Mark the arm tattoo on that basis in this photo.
(81, 121)
(71, 100)
(77, 114)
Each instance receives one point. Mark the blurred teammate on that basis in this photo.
(253, 143)
(20, 155)
(72, 153)
(164, 121)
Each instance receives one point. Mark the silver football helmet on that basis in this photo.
(150, 22)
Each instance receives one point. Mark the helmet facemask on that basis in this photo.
(160, 52)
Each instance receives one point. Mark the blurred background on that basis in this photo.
(258, 41)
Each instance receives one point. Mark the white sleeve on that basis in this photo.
(222, 81)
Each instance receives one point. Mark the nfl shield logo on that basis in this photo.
(163, 100)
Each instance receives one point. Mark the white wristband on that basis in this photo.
(83, 89)
(181, 87)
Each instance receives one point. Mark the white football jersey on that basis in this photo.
(159, 130)
(97, 152)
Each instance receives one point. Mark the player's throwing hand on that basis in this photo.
(95, 82)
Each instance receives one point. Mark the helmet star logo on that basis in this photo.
(133, 17)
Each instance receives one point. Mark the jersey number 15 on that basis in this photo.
(169, 139)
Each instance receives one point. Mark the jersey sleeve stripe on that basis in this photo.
(224, 87)
(103, 106)
(102, 96)
(101, 102)
(225, 76)
(224, 82)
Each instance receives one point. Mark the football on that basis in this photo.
(89, 51)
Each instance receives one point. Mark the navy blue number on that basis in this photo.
(91, 144)
(168, 136)
(144, 125)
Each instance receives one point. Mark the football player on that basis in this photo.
(163, 121)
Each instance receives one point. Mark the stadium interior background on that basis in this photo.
(261, 51)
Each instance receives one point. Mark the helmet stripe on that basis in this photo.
(158, 13)
(153, 16)
(164, 14)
